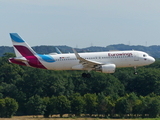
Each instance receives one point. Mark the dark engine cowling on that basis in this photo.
(108, 68)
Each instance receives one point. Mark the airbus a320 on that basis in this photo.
(105, 62)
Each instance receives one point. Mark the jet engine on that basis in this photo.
(108, 68)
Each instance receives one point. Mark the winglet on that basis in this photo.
(58, 51)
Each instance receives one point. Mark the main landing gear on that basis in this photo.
(86, 75)
(135, 70)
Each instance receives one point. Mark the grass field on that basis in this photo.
(41, 118)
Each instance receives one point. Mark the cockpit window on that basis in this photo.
(144, 55)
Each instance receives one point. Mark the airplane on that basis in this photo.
(105, 62)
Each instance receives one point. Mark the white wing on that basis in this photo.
(86, 63)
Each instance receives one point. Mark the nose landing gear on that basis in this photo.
(135, 70)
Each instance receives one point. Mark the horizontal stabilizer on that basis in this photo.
(20, 59)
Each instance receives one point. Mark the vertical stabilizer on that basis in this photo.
(21, 48)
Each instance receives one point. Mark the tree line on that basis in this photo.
(122, 94)
(44, 49)
(92, 105)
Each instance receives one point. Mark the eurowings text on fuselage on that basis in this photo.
(105, 62)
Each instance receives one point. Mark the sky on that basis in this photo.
(81, 23)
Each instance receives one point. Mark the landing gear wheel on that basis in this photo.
(135, 73)
(86, 75)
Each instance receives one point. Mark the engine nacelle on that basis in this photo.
(108, 68)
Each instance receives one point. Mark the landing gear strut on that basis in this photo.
(86, 75)
(135, 70)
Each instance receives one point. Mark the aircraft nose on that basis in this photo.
(151, 59)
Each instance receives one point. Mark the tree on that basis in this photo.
(11, 72)
(35, 105)
(57, 84)
(111, 106)
(106, 83)
(132, 97)
(90, 103)
(122, 106)
(154, 107)
(77, 104)
(53, 105)
(63, 105)
(137, 108)
(102, 104)
(2, 108)
(146, 82)
(34, 80)
(145, 105)
(47, 111)
(11, 106)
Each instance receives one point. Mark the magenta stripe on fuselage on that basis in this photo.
(32, 60)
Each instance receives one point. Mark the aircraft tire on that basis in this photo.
(88, 75)
(135, 73)
(84, 75)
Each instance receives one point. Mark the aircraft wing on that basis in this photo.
(86, 63)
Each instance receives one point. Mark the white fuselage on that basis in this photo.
(119, 58)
